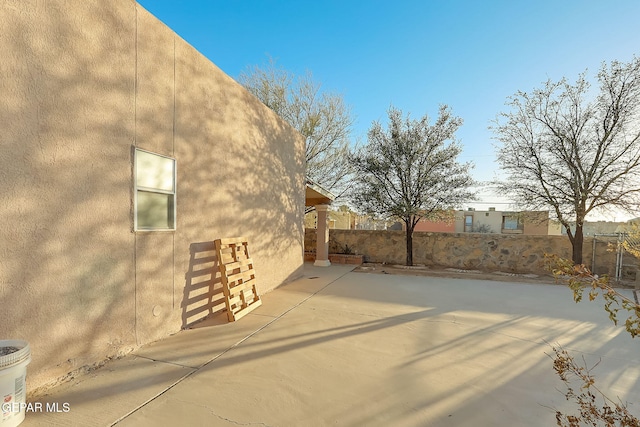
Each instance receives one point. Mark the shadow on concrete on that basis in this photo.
(203, 294)
(439, 353)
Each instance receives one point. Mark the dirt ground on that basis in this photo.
(457, 273)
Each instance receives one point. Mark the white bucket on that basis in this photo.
(13, 375)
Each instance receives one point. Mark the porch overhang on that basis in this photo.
(316, 195)
(321, 199)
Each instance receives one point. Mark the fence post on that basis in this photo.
(593, 254)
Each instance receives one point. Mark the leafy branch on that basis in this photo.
(580, 279)
(609, 413)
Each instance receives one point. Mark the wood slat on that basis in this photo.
(240, 314)
(235, 266)
(243, 275)
(235, 300)
(250, 299)
(248, 285)
(238, 264)
(233, 241)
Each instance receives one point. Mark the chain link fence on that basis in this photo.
(610, 257)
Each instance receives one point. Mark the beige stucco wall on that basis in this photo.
(517, 253)
(554, 228)
(535, 222)
(83, 83)
(491, 219)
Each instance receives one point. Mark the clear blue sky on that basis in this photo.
(414, 54)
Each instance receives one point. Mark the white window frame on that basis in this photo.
(138, 188)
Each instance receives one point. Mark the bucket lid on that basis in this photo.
(15, 357)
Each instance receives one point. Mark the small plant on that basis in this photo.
(481, 228)
(609, 414)
(337, 248)
(347, 250)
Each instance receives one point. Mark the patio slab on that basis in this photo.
(354, 349)
(108, 393)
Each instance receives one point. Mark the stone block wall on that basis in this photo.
(479, 251)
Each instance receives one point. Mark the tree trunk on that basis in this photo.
(409, 228)
(576, 243)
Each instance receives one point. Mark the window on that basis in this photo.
(155, 191)
(512, 222)
(468, 223)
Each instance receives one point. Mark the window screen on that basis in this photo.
(155, 192)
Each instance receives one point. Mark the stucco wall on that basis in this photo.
(482, 251)
(490, 219)
(83, 83)
(535, 222)
(438, 227)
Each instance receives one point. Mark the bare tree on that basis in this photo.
(566, 151)
(409, 172)
(322, 117)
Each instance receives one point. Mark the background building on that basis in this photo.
(492, 221)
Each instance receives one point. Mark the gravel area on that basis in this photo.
(5, 351)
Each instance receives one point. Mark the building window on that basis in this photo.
(512, 222)
(468, 223)
(155, 191)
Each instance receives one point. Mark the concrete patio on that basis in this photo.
(338, 347)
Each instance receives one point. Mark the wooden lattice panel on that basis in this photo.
(238, 277)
